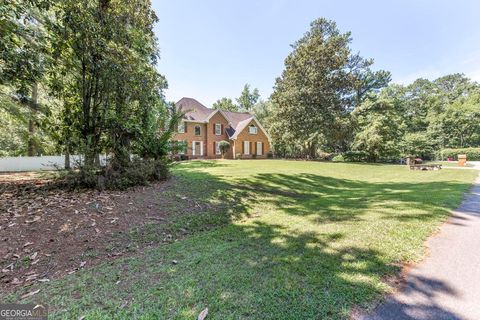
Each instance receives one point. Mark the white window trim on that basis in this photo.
(217, 148)
(195, 130)
(252, 126)
(259, 150)
(246, 148)
(219, 126)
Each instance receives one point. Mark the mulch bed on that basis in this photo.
(47, 232)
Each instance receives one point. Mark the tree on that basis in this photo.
(24, 57)
(225, 104)
(379, 129)
(224, 146)
(106, 53)
(321, 83)
(247, 99)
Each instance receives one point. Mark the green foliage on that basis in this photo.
(338, 158)
(419, 119)
(114, 177)
(355, 156)
(473, 154)
(225, 104)
(247, 99)
(224, 146)
(378, 129)
(322, 82)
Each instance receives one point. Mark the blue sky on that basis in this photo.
(210, 49)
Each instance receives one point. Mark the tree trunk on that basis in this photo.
(67, 158)
(31, 150)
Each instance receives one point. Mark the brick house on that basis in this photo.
(203, 128)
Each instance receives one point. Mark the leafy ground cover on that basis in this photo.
(264, 240)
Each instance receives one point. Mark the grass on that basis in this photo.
(274, 240)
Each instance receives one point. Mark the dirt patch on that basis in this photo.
(47, 232)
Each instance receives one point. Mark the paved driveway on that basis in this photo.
(446, 285)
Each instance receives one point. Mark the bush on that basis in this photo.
(338, 158)
(269, 155)
(137, 172)
(355, 156)
(473, 154)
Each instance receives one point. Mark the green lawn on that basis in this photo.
(275, 240)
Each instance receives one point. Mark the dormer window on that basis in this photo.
(252, 129)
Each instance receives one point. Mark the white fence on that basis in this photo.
(40, 163)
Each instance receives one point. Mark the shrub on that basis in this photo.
(355, 156)
(269, 155)
(473, 154)
(224, 146)
(137, 172)
(338, 158)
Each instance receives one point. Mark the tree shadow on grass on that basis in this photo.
(255, 269)
(332, 200)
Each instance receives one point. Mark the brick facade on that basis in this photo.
(245, 135)
(234, 128)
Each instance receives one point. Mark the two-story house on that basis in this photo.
(203, 128)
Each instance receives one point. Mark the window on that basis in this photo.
(259, 148)
(218, 129)
(217, 147)
(252, 129)
(181, 127)
(246, 147)
(197, 130)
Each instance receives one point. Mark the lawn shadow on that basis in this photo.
(330, 199)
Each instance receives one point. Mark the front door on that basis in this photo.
(197, 148)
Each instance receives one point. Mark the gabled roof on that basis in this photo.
(197, 112)
(243, 124)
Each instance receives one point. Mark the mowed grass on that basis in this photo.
(277, 240)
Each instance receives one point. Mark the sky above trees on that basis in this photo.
(211, 48)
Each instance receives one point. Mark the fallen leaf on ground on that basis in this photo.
(203, 314)
(31, 293)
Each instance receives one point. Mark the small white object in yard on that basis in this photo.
(174, 261)
(203, 314)
(34, 255)
(27, 244)
(43, 280)
(30, 294)
(82, 264)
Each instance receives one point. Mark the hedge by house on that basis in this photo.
(473, 154)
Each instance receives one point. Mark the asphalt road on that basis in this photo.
(446, 285)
